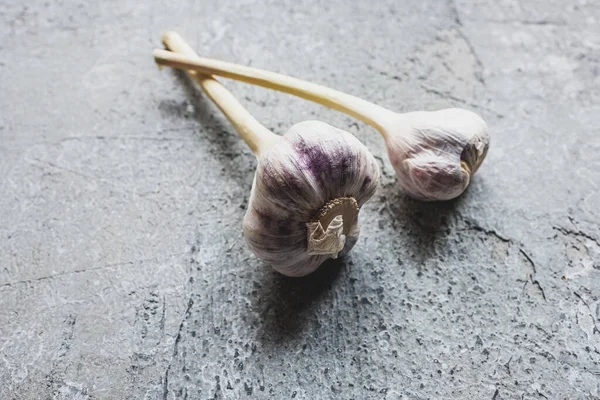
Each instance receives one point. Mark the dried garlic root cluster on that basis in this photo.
(308, 188)
(433, 153)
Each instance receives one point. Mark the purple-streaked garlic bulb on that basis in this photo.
(433, 153)
(307, 192)
(308, 188)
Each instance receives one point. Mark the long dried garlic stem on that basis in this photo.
(253, 132)
(370, 113)
(434, 153)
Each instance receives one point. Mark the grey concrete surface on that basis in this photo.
(123, 272)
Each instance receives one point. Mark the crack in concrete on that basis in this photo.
(591, 315)
(528, 259)
(79, 271)
(540, 22)
(43, 164)
(126, 137)
(577, 241)
(530, 277)
(458, 20)
(476, 227)
(507, 365)
(449, 96)
(165, 380)
(571, 232)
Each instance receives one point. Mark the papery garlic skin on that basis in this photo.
(313, 164)
(435, 153)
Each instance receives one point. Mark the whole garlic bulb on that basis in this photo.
(434, 153)
(308, 188)
(306, 195)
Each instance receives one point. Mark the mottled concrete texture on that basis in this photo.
(123, 273)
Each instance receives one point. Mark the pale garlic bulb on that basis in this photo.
(306, 195)
(433, 153)
(308, 188)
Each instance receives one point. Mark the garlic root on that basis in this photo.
(335, 221)
(308, 188)
(434, 153)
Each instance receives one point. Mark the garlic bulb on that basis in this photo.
(433, 153)
(307, 192)
(308, 188)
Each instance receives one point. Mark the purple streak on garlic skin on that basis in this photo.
(436, 153)
(312, 164)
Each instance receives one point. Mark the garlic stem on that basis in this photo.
(258, 137)
(423, 146)
(370, 113)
